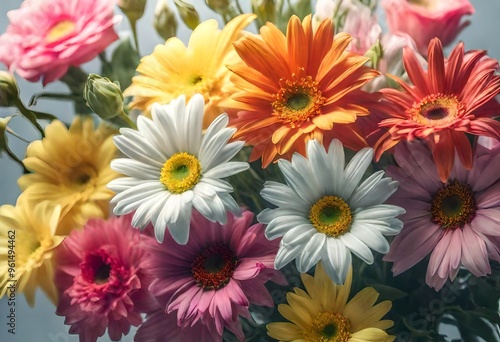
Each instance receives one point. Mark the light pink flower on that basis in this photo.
(100, 279)
(424, 20)
(457, 222)
(45, 38)
(216, 275)
(363, 28)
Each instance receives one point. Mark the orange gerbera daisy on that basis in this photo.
(295, 88)
(453, 97)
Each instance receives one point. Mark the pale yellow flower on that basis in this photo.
(27, 241)
(71, 167)
(322, 313)
(174, 69)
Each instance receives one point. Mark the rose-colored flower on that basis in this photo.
(453, 97)
(456, 222)
(216, 275)
(363, 27)
(100, 278)
(426, 19)
(45, 38)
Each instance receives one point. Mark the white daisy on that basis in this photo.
(173, 166)
(324, 214)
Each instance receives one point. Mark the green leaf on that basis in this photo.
(471, 327)
(4, 145)
(483, 294)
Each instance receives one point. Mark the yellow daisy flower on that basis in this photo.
(27, 241)
(322, 313)
(71, 167)
(174, 69)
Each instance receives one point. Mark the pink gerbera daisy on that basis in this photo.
(100, 279)
(453, 97)
(45, 38)
(216, 275)
(457, 222)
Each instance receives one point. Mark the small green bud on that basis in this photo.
(188, 14)
(375, 53)
(164, 20)
(219, 6)
(103, 96)
(9, 91)
(133, 9)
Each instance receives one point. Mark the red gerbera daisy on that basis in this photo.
(453, 97)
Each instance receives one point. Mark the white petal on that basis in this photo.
(144, 212)
(299, 235)
(211, 148)
(230, 204)
(338, 262)
(355, 170)
(218, 185)
(337, 163)
(165, 120)
(312, 253)
(283, 196)
(136, 169)
(357, 247)
(193, 123)
(371, 237)
(226, 170)
(141, 142)
(121, 184)
(200, 203)
(297, 182)
(267, 215)
(379, 212)
(319, 163)
(150, 129)
(180, 228)
(374, 190)
(144, 189)
(135, 152)
(285, 255)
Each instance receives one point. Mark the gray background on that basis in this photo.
(40, 323)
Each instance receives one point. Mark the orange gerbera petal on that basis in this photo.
(301, 84)
(453, 97)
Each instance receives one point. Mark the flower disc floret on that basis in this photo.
(453, 205)
(328, 327)
(331, 216)
(181, 172)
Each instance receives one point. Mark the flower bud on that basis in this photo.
(133, 9)
(375, 53)
(9, 91)
(164, 20)
(188, 14)
(219, 6)
(103, 96)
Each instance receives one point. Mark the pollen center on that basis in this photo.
(331, 216)
(181, 172)
(60, 30)
(453, 206)
(297, 101)
(328, 327)
(436, 110)
(214, 266)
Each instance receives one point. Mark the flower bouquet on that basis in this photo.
(283, 170)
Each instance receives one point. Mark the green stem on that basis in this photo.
(28, 114)
(127, 119)
(133, 26)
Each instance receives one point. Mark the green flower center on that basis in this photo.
(331, 216)
(328, 327)
(181, 172)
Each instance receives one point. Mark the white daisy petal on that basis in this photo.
(200, 203)
(165, 119)
(284, 224)
(179, 229)
(357, 247)
(297, 182)
(312, 252)
(211, 148)
(285, 255)
(338, 262)
(299, 235)
(145, 210)
(156, 138)
(336, 165)
(135, 152)
(123, 183)
(374, 190)
(318, 157)
(136, 169)
(370, 237)
(227, 169)
(283, 196)
(193, 122)
(356, 168)
(230, 204)
(267, 215)
(218, 185)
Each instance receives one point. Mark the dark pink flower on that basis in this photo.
(426, 19)
(100, 279)
(214, 277)
(45, 38)
(455, 222)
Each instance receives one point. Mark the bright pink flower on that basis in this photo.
(100, 279)
(456, 222)
(45, 38)
(426, 19)
(216, 275)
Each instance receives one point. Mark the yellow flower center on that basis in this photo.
(331, 216)
(297, 101)
(436, 110)
(181, 172)
(453, 206)
(60, 30)
(328, 327)
(30, 250)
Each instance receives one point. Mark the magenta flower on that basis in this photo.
(424, 20)
(100, 279)
(45, 38)
(455, 222)
(216, 275)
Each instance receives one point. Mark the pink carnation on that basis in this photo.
(214, 277)
(100, 279)
(424, 20)
(456, 222)
(45, 38)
